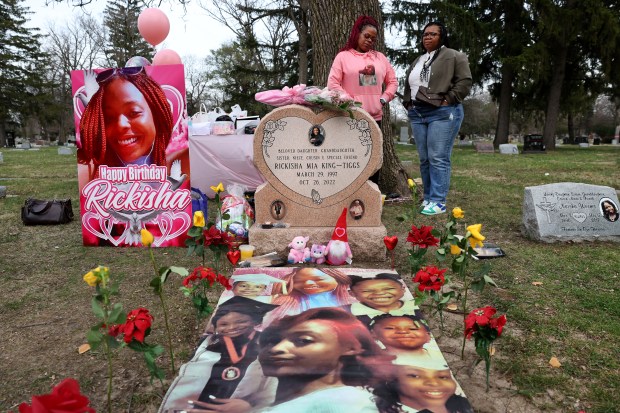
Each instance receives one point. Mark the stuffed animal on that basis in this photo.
(317, 253)
(337, 251)
(299, 253)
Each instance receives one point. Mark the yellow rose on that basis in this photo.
(217, 189)
(455, 250)
(411, 183)
(147, 237)
(458, 213)
(91, 279)
(476, 237)
(199, 219)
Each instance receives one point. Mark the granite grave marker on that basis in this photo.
(484, 147)
(311, 179)
(570, 211)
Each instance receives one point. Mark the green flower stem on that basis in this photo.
(462, 273)
(109, 356)
(163, 305)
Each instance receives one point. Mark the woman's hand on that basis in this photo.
(220, 405)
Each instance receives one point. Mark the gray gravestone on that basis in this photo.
(508, 149)
(484, 147)
(2, 191)
(570, 211)
(404, 134)
(26, 145)
(63, 150)
(1, 158)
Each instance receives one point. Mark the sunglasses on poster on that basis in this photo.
(108, 74)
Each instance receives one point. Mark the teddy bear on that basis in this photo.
(299, 253)
(317, 253)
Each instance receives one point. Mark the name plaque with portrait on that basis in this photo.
(570, 211)
(133, 158)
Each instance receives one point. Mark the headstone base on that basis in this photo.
(366, 242)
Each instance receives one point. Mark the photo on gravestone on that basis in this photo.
(278, 210)
(356, 209)
(272, 334)
(609, 209)
(317, 135)
(570, 211)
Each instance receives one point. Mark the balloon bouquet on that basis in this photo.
(154, 26)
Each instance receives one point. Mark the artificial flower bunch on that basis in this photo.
(431, 280)
(203, 235)
(484, 328)
(334, 100)
(196, 285)
(113, 324)
(309, 96)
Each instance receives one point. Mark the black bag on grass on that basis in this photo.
(42, 212)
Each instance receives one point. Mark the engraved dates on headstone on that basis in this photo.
(314, 157)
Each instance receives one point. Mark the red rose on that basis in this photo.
(64, 398)
(214, 236)
(422, 237)
(138, 322)
(430, 278)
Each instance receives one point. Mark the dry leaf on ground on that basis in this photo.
(83, 348)
(554, 362)
(537, 283)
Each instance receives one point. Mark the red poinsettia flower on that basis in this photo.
(498, 324)
(224, 281)
(478, 318)
(114, 330)
(214, 236)
(430, 278)
(64, 398)
(138, 322)
(422, 237)
(190, 279)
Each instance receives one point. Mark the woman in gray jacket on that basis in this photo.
(435, 85)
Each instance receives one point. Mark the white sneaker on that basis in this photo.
(434, 208)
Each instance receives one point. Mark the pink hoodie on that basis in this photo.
(362, 76)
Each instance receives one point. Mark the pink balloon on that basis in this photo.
(166, 57)
(153, 25)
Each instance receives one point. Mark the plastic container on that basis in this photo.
(223, 128)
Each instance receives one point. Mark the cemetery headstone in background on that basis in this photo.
(508, 149)
(484, 147)
(309, 181)
(570, 211)
(533, 144)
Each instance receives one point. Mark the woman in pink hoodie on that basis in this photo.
(360, 71)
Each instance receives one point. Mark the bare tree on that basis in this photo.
(199, 83)
(76, 45)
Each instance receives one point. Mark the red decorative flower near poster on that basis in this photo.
(133, 159)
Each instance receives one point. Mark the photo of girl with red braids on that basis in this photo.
(127, 121)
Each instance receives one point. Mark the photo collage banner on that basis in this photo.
(316, 340)
(133, 156)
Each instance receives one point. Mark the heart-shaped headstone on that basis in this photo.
(579, 216)
(390, 242)
(316, 175)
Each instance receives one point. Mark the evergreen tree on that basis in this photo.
(124, 40)
(20, 56)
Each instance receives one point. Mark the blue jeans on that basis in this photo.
(434, 131)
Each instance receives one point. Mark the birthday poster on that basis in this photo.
(133, 159)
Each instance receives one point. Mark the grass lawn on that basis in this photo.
(573, 315)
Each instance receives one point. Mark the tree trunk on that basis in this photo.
(503, 115)
(555, 93)
(330, 25)
(301, 26)
(571, 127)
(2, 134)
